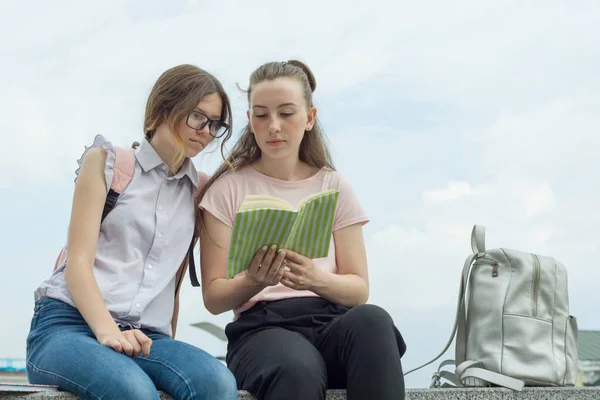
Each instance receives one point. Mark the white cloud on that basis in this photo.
(454, 191)
(537, 200)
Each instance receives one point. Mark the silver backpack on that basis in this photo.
(512, 326)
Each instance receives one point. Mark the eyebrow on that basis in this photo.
(279, 106)
(216, 117)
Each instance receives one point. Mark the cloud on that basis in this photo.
(454, 191)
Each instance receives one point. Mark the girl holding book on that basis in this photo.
(104, 322)
(301, 325)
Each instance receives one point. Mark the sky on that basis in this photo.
(441, 114)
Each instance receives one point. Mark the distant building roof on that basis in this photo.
(589, 345)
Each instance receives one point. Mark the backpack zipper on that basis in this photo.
(536, 282)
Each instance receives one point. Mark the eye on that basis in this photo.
(287, 114)
(260, 116)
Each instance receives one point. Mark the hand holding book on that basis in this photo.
(267, 266)
(301, 273)
(262, 220)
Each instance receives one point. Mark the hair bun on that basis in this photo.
(309, 75)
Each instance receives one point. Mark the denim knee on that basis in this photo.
(133, 386)
(219, 384)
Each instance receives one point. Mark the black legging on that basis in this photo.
(299, 348)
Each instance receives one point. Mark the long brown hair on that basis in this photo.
(313, 148)
(175, 94)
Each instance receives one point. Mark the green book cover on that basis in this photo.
(265, 220)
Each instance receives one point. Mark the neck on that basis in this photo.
(166, 151)
(284, 169)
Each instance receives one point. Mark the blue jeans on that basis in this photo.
(62, 350)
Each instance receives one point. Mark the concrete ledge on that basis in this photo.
(573, 393)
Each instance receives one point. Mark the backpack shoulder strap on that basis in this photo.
(478, 247)
(122, 175)
(202, 180)
(123, 169)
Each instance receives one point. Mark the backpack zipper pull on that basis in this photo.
(494, 269)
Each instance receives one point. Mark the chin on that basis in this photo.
(191, 153)
(276, 155)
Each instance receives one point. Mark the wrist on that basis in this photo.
(251, 283)
(321, 282)
(107, 331)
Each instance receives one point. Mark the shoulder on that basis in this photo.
(100, 154)
(335, 180)
(229, 180)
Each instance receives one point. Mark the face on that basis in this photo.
(279, 117)
(194, 141)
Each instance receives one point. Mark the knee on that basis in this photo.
(368, 316)
(218, 384)
(135, 386)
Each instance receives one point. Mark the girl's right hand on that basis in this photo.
(131, 342)
(267, 266)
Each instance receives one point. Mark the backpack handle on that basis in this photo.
(478, 239)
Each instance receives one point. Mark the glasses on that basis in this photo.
(197, 120)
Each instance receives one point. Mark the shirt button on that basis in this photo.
(160, 235)
(149, 266)
(138, 305)
(160, 208)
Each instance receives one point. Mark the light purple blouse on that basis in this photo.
(142, 242)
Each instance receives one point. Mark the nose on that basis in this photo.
(274, 126)
(204, 131)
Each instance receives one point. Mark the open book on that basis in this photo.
(266, 220)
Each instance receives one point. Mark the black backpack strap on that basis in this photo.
(192, 270)
(109, 204)
(192, 265)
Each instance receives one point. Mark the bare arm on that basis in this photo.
(178, 278)
(350, 287)
(88, 203)
(222, 294)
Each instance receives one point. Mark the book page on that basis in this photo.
(311, 234)
(255, 202)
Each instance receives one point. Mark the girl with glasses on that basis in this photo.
(104, 322)
(301, 325)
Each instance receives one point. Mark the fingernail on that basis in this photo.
(273, 246)
(265, 248)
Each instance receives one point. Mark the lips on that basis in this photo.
(198, 142)
(275, 141)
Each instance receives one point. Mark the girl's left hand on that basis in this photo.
(301, 272)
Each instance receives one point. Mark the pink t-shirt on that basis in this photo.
(227, 193)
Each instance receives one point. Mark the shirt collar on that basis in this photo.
(149, 159)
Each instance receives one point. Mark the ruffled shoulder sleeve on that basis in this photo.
(100, 141)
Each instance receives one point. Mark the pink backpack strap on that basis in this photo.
(123, 169)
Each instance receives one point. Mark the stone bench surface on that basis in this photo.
(572, 393)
